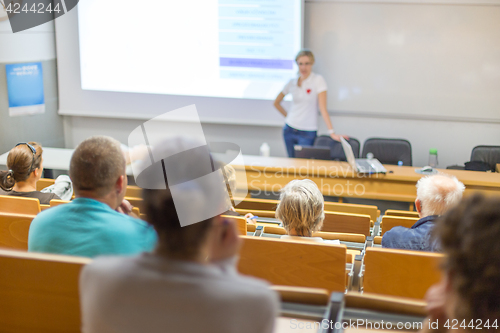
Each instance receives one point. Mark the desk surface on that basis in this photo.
(333, 178)
(339, 179)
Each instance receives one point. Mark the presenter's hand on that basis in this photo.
(225, 242)
(336, 137)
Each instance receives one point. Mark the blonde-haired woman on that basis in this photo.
(308, 93)
(301, 210)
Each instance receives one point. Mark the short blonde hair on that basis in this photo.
(230, 174)
(439, 193)
(301, 207)
(305, 53)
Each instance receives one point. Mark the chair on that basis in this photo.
(389, 151)
(400, 272)
(133, 191)
(57, 202)
(257, 204)
(405, 213)
(19, 205)
(302, 295)
(336, 150)
(356, 238)
(486, 154)
(43, 183)
(289, 263)
(346, 223)
(259, 213)
(14, 229)
(271, 205)
(389, 222)
(39, 292)
(241, 223)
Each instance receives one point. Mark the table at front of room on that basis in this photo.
(338, 179)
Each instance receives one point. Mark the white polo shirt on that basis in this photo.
(304, 112)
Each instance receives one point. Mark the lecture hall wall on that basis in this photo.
(454, 139)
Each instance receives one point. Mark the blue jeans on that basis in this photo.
(294, 137)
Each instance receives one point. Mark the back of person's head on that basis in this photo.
(182, 195)
(301, 207)
(96, 165)
(230, 175)
(175, 241)
(305, 53)
(438, 193)
(469, 236)
(22, 160)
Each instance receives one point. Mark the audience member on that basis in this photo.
(96, 222)
(25, 164)
(301, 210)
(436, 194)
(467, 298)
(189, 283)
(230, 182)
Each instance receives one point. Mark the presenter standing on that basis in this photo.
(308, 93)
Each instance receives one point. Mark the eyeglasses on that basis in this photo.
(33, 150)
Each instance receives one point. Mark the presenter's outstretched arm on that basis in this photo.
(326, 116)
(277, 104)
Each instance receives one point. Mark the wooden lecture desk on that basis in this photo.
(339, 180)
(333, 178)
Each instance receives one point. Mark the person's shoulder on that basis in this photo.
(132, 221)
(109, 263)
(51, 213)
(396, 236)
(45, 197)
(318, 78)
(104, 269)
(254, 292)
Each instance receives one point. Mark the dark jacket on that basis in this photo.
(415, 238)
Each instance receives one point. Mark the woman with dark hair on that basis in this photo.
(25, 169)
(468, 296)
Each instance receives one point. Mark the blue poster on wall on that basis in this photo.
(25, 88)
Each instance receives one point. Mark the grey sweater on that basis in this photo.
(151, 294)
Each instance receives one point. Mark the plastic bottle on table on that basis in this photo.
(433, 157)
(265, 150)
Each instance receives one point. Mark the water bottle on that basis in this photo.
(433, 157)
(265, 150)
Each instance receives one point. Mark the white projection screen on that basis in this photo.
(212, 48)
(230, 58)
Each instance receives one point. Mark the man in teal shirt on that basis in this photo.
(97, 221)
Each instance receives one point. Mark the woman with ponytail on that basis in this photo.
(25, 169)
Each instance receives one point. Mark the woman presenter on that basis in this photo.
(308, 93)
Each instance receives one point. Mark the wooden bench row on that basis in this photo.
(39, 293)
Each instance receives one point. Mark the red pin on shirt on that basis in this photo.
(308, 91)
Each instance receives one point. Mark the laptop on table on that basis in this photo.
(316, 152)
(361, 165)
